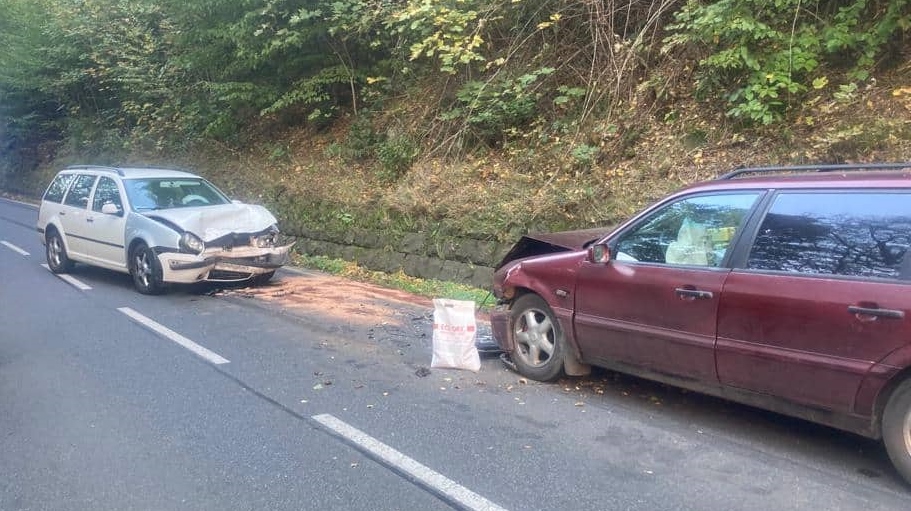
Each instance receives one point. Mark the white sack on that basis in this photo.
(454, 335)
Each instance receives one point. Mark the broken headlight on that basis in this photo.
(191, 243)
(267, 239)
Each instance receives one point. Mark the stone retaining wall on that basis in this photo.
(463, 260)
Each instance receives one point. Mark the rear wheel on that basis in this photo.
(55, 250)
(539, 339)
(145, 270)
(897, 429)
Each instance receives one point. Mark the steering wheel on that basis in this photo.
(194, 200)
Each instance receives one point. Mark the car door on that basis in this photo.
(106, 239)
(73, 213)
(822, 296)
(654, 305)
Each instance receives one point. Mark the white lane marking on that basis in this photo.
(164, 331)
(399, 461)
(69, 278)
(14, 248)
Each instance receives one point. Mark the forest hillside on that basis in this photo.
(481, 119)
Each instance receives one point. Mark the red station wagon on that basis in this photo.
(786, 288)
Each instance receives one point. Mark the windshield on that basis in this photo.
(166, 193)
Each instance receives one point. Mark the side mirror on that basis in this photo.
(599, 254)
(111, 209)
(235, 201)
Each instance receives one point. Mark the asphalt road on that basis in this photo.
(245, 404)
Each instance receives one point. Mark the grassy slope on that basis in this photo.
(495, 194)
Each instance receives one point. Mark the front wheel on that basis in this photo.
(539, 339)
(146, 271)
(897, 429)
(55, 250)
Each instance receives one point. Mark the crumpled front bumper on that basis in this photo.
(222, 265)
(499, 326)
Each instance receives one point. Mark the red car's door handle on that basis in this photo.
(692, 294)
(876, 312)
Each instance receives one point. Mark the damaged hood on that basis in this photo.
(212, 222)
(536, 244)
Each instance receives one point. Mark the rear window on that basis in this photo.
(57, 189)
(78, 195)
(855, 234)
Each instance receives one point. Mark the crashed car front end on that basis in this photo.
(234, 257)
(546, 265)
(221, 243)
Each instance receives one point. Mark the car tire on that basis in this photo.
(55, 250)
(897, 429)
(262, 278)
(146, 271)
(539, 339)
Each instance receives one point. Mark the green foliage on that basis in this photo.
(763, 57)
(585, 155)
(395, 156)
(493, 109)
(448, 31)
(361, 140)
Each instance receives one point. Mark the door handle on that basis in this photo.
(89, 219)
(875, 312)
(63, 213)
(686, 293)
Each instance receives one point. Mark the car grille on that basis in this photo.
(228, 276)
(230, 241)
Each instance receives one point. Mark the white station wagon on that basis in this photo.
(160, 226)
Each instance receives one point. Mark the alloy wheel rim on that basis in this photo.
(54, 249)
(906, 431)
(535, 337)
(143, 271)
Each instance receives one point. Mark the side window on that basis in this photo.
(856, 234)
(57, 189)
(78, 195)
(693, 231)
(106, 192)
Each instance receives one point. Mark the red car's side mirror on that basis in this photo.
(599, 254)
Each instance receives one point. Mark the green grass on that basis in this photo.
(429, 288)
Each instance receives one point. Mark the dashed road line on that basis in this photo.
(73, 281)
(166, 332)
(425, 475)
(14, 248)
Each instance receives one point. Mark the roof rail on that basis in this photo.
(118, 170)
(817, 168)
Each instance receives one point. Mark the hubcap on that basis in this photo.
(535, 337)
